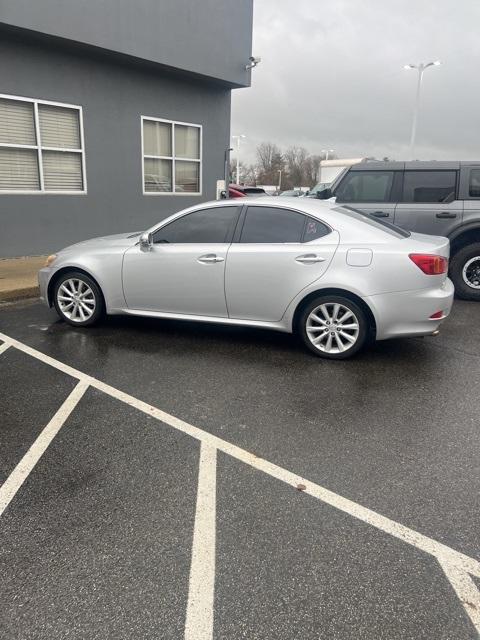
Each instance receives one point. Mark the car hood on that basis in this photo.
(117, 240)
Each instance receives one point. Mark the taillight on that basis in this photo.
(432, 265)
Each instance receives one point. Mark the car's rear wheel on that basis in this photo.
(465, 272)
(78, 299)
(333, 327)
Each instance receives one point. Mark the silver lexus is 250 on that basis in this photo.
(335, 276)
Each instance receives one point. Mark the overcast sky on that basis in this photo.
(332, 77)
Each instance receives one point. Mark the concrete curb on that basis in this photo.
(18, 277)
(19, 294)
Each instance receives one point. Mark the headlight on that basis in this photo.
(50, 259)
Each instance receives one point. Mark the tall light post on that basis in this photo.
(421, 70)
(239, 139)
(326, 152)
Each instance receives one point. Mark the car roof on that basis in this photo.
(412, 165)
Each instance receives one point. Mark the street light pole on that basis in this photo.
(421, 70)
(238, 139)
(326, 152)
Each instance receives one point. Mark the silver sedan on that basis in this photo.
(337, 277)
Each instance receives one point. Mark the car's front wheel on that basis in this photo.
(78, 299)
(333, 327)
(465, 272)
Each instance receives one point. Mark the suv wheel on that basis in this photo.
(465, 272)
(333, 327)
(78, 299)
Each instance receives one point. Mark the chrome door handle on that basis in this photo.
(309, 258)
(210, 258)
(445, 214)
(381, 214)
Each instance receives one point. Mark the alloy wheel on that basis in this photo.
(332, 328)
(76, 300)
(471, 272)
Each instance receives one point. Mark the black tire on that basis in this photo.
(99, 304)
(457, 264)
(361, 337)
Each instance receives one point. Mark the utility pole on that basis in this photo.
(226, 171)
(238, 138)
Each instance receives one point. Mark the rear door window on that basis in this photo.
(365, 186)
(315, 229)
(429, 186)
(272, 225)
(474, 185)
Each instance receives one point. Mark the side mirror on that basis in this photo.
(146, 241)
(324, 194)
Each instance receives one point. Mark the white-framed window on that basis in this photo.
(41, 147)
(171, 157)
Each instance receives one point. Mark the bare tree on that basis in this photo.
(312, 170)
(295, 159)
(270, 162)
(247, 172)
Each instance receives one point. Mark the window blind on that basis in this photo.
(17, 124)
(59, 127)
(62, 171)
(19, 170)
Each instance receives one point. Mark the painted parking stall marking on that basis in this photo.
(23, 469)
(458, 567)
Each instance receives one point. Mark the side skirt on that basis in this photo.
(276, 326)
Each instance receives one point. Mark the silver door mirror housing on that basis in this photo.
(146, 241)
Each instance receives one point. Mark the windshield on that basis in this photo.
(388, 227)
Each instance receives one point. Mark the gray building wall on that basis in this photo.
(207, 37)
(113, 95)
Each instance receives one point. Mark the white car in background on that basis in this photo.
(335, 276)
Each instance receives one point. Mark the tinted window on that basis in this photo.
(429, 186)
(272, 224)
(314, 229)
(365, 186)
(474, 189)
(204, 226)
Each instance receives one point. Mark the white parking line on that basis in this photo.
(466, 591)
(23, 469)
(459, 564)
(201, 589)
(4, 347)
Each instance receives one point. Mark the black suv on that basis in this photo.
(438, 198)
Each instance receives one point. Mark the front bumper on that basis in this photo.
(407, 313)
(44, 276)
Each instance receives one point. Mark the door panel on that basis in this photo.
(424, 205)
(262, 279)
(179, 278)
(435, 219)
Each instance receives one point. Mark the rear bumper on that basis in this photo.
(407, 313)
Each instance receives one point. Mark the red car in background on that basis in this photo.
(241, 191)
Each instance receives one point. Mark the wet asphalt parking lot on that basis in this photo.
(177, 480)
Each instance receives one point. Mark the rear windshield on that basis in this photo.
(388, 227)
